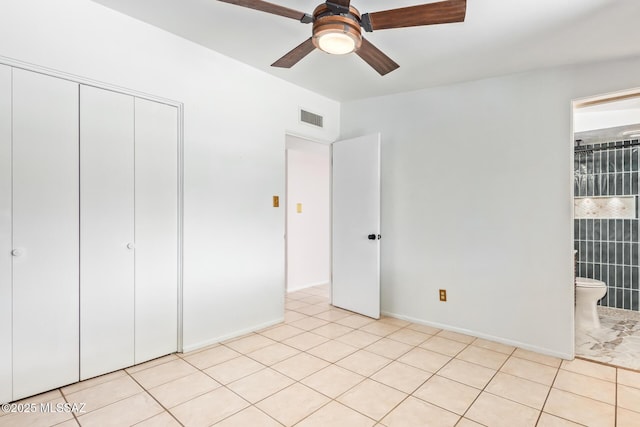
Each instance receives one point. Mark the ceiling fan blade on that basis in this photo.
(374, 57)
(443, 12)
(269, 8)
(296, 54)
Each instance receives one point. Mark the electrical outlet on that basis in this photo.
(443, 295)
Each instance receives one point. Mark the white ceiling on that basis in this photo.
(498, 37)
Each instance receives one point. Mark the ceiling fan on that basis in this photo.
(337, 27)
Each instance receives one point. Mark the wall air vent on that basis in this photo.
(311, 118)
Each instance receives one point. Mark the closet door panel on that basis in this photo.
(5, 235)
(106, 231)
(45, 233)
(156, 228)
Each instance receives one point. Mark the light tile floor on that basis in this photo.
(616, 342)
(328, 367)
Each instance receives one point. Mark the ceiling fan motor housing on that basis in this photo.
(327, 21)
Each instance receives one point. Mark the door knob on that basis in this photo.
(16, 252)
(371, 237)
(130, 246)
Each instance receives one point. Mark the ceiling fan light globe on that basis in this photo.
(337, 43)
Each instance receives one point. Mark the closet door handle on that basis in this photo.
(130, 245)
(17, 252)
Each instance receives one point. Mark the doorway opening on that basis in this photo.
(308, 213)
(606, 228)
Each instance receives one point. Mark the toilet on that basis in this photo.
(588, 292)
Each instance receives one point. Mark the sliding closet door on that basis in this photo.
(5, 235)
(156, 229)
(106, 231)
(45, 233)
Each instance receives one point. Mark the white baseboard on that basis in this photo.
(202, 344)
(500, 340)
(307, 285)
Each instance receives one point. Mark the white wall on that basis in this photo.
(308, 232)
(235, 119)
(477, 199)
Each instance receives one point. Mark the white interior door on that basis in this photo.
(45, 233)
(106, 231)
(356, 225)
(5, 235)
(156, 229)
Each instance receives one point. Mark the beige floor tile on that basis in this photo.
(629, 378)
(409, 336)
(482, 356)
(312, 310)
(394, 321)
(529, 370)
(125, 412)
(273, 353)
(152, 363)
(332, 351)
(519, 390)
(257, 386)
(579, 409)
(234, 369)
(305, 341)
(591, 369)
(443, 346)
(209, 408)
(164, 373)
(627, 418)
(74, 423)
(249, 417)
(495, 411)
(495, 346)
(281, 332)
(332, 330)
(333, 380)
(179, 391)
(629, 398)
(293, 316)
(92, 382)
(424, 359)
(380, 328)
(372, 399)
(537, 357)
(332, 315)
(292, 404)
(42, 397)
(40, 417)
(297, 295)
(584, 385)
(300, 366)
(430, 330)
(164, 419)
(548, 420)
(467, 373)
(355, 321)
(309, 323)
(213, 356)
(389, 348)
(359, 339)
(401, 377)
(465, 422)
(314, 299)
(250, 343)
(448, 394)
(336, 415)
(456, 336)
(364, 362)
(416, 413)
(295, 304)
(105, 393)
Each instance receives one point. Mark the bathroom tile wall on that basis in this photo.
(609, 249)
